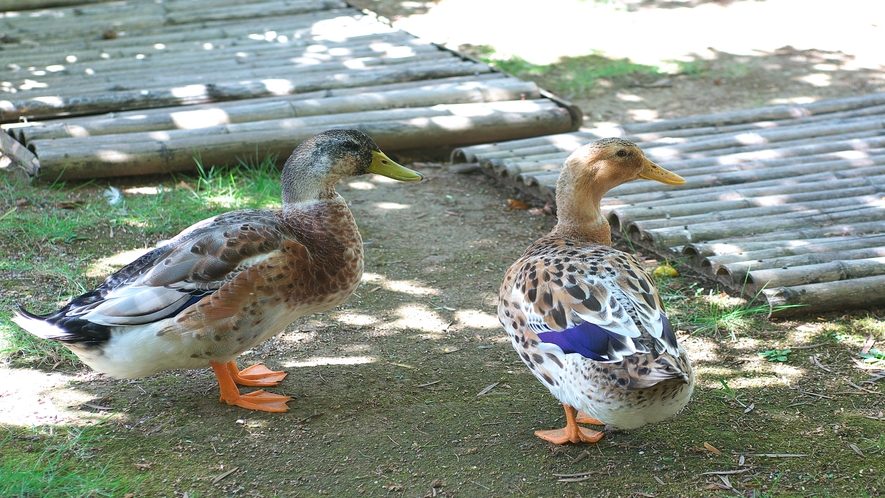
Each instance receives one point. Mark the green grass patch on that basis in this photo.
(57, 462)
(570, 76)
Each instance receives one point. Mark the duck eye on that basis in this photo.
(622, 153)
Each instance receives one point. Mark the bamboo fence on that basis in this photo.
(96, 89)
(782, 203)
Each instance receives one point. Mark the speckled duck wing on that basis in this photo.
(166, 281)
(592, 300)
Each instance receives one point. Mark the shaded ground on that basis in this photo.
(411, 389)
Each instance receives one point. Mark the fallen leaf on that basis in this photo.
(712, 448)
(665, 271)
(516, 204)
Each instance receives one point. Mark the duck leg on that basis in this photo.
(258, 400)
(571, 433)
(256, 375)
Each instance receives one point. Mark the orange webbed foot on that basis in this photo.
(565, 435)
(571, 433)
(256, 375)
(261, 401)
(228, 378)
(583, 418)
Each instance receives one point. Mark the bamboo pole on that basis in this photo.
(681, 235)
(868, 175)
(272, 73)
(22, 5)
(830, 271)
(142, 60)
(760, 114)
(272, 109)
(32, 129)
(767, 139)
(41, 147)
(780, 251)
(20, 156)
(749, 210)
(619, 213)
(858, 106)
(93, 161)
(737, 270)
(700, 250)
(828, 296)
(754, 175)
(192, 94)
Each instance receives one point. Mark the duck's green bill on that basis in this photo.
(384, 166)
(651, 171)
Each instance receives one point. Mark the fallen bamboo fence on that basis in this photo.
(133, 87)
(782, 203)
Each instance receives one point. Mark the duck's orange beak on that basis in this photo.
(651, 171)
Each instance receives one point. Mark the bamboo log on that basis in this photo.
(124, 69)
(747, 141)
(20, 156)
(857, 105)
(765, 187)
(760, 114)
(816, 273)
(619, 213)
(838, 229)
(681, 235)
(754, 175)
(22, 5)
(833, 244)
(701, 250)
(37, 108)
(268, 9)
(272, 74)
(89, 161)
(742, 210)
(828, 296)
(41, 147)
(272, 109)
(74, 22)
(737, 270)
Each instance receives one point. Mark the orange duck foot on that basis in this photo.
(228, 378)
(565, 435)
(583, 418)
(256, 375)
(571, 433)
(259, 400)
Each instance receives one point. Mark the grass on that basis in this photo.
(58, 462)
(570, 77)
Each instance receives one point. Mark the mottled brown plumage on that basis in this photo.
(228, 283)
(587, 318)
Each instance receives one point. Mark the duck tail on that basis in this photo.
(38, 325)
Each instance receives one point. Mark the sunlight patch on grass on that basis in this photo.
(357, 319)
(317, 361)
(419, 317)
(107, 265)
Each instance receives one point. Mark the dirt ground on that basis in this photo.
(411, 389)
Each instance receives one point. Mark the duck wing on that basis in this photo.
(167, 280)
(595, 301)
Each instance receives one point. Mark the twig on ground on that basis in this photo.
(818, 364)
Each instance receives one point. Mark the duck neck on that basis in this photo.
(579, 215)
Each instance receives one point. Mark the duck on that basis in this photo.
(230, 282)
(586, 318)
